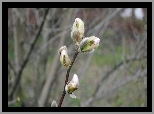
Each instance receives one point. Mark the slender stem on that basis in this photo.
(67, 76)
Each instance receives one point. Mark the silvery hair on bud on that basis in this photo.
(61, 49)
(83, 43)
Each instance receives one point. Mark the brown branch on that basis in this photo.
(67, 76)
(28, 55)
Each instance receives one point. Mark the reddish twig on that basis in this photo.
(67, 76)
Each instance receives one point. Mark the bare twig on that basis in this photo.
(122, 82)
(104, 21)
(117, 66)
(28, 55)
(50, 41)
(67, 76)
(61, 17)
(109, 73)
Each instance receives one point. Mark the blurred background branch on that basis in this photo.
(50, 77)
(27, 56)
(114, 73)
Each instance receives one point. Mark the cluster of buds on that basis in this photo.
(83, 45)
(72, 86)
(87, 44)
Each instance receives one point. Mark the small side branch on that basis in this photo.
(67, 76)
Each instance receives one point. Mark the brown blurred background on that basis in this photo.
(114, 75)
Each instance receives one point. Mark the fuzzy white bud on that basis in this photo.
(77, 32)
(72, 86)
(64, 58)
(89, 44)
(54, 104)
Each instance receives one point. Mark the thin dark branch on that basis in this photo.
(67, 76)
(11, 67)
(103, 78)
(28, 55)
(116, 67)
(122, 82)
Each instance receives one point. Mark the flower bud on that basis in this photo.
(88, 44)
(64, 58)
(18, 99)
(77, 32)
(54, 104)
(72, 86)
